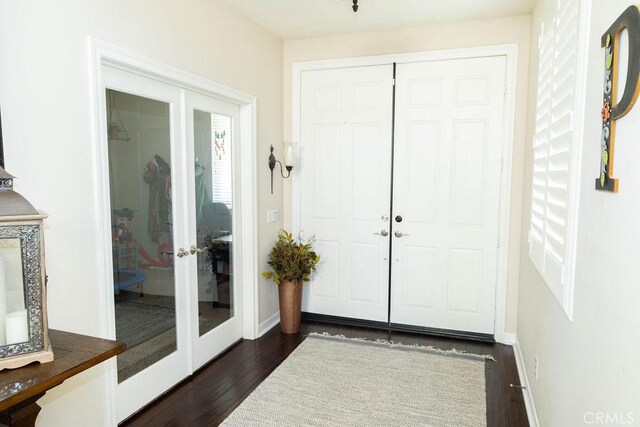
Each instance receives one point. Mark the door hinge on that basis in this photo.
(498, 242)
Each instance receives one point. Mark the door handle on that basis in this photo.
(182, 253)
(383, 233)
(196, 250)
(399, 234)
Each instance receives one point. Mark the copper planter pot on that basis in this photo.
(290, 294)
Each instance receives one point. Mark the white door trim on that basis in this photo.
(103, 54)
(510, 52)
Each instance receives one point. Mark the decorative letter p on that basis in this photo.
(612, 111)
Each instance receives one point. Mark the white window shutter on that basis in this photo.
(222, 174)
(541, 147)
(554, 142)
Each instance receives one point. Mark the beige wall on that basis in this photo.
(590, 364)
(514, 30)
(46, 116)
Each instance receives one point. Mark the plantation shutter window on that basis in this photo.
(222, 163)
(556, 149)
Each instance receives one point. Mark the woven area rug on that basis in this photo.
(336, 381)
(137, 323)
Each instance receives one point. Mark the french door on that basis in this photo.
(212, 129)
(173, 193)
(406, 220)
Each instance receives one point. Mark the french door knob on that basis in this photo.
(383, 233)
(196, 250)
(399, 234)
(182, 253)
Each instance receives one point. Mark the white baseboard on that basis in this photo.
(509, 338)
(524, 381)
(268, 324)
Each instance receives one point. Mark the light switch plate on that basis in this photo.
(272, 216)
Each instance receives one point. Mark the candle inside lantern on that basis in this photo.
(17, 328)
(3, 301)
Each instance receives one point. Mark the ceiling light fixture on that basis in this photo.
(355, 5)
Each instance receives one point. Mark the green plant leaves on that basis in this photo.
(291, 260)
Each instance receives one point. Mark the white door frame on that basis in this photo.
(510, 51)
(103, 54)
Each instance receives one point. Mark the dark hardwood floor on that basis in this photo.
(212, 393)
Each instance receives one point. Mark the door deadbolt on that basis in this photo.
(398, 218)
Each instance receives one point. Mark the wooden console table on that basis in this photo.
(21, 388)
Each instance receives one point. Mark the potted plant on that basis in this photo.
(292, 263)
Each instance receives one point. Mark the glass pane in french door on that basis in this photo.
(214, 205)
(142, 231)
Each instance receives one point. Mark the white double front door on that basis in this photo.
(405, 209)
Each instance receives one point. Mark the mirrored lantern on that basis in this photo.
(23, 315)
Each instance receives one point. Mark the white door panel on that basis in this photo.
(345, 167)
(214, 222)
(153, 378)
(447, 189)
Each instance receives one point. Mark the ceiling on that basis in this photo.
(291, 19)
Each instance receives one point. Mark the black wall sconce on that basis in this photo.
(288, 162)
